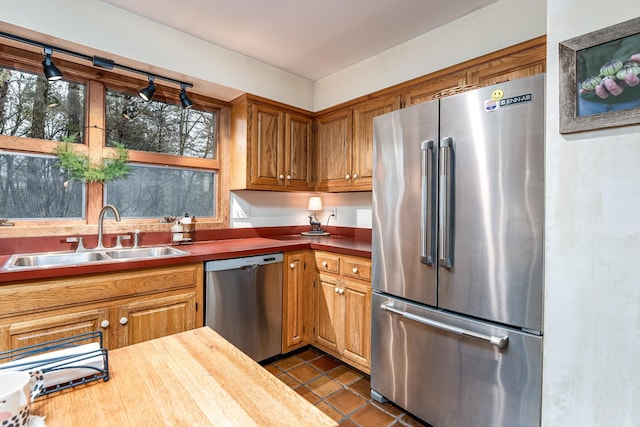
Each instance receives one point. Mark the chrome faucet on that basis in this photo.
(101, 220)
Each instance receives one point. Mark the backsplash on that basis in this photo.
(270, 209)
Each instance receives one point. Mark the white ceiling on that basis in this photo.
(312, 39)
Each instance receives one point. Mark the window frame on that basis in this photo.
(96, 82)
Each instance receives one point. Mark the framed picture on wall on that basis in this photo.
(600, 79)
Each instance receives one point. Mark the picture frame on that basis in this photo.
(581, 61)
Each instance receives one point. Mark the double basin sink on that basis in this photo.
(68, 259)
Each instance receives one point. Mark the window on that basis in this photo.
(154, 191)
(160, 127)
(173, 151)
(33, 187)
(30, 106)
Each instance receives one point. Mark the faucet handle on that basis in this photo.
(80, 242)
(119, 240)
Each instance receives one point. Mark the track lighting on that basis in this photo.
(51, 72)
(184, 99)
(147, 92)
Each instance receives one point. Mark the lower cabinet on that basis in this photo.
(327, 303)
(343, 308)
(128, 307)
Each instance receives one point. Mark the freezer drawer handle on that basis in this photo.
(500, 342)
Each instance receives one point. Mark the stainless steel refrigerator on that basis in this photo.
(458, 221)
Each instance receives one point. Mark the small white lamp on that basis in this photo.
(315, 205)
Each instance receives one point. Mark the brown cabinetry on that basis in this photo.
(295, 300)
(343, 308)
(271, 146)
(345, 145)
(128, 307)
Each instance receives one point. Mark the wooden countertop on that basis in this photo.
(195, 378)
(200, 252)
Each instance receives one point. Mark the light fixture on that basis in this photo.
(51, 72)
(147, 92)
(184, 99)
(315, 205)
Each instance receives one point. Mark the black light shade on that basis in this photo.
(51, 72)
(184, 99)
(147, 92)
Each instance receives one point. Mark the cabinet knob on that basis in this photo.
(292, 265)
(355, 176)
(288, 176)
(340, 291)
(337, 290)
(325, 263)
(281, 177)
(355, 270)
(105, 324)
(123, 320)
(347, 176)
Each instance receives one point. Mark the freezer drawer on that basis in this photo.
(449, 378)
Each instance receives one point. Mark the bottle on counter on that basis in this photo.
(186, 228)
(177, 234)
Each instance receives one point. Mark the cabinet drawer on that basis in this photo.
(356, 268)
(327, 262)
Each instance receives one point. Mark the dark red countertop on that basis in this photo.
(205, 251)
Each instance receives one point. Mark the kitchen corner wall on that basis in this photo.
(271, 209)
(592, 246)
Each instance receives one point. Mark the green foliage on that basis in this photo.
(80, 169)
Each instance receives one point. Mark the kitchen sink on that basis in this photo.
(150, 252)
(65, 259)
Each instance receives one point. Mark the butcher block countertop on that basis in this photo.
(195, 378)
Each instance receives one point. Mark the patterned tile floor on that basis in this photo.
(338, 390)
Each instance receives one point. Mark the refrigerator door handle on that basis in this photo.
(426, 206)
(445, 247)
(496, 341)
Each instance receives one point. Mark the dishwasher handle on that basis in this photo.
(243, 262)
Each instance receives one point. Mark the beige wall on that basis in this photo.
(592, 279)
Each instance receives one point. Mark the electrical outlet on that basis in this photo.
(334, 213)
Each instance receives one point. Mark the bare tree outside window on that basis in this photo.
(159, 127)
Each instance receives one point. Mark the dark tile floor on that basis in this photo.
(338, 390)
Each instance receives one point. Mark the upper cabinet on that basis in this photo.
(271, 146)
(345, 145)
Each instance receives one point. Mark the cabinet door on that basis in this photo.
(334, 148)
(433, 88)
(357, 323)
(267, 146)
(363, 114)
(55, 326)
(297, 152)
(154, 318)
(293, 301)
(328, 324)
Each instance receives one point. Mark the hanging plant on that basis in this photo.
(80, 168)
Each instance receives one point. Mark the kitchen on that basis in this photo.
(584, 382)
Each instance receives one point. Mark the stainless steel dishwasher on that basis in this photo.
(244, 303)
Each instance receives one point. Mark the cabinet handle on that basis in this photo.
(281, 177)
(325, 263)
(355, 176)
(347, 176)
(104, 324)
(123, 320)
(288, 176)
(292, 265)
